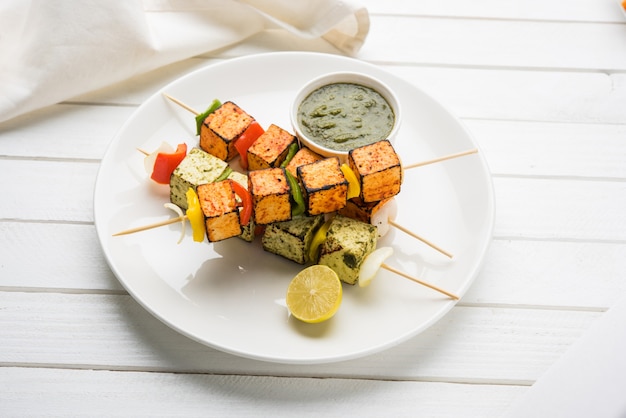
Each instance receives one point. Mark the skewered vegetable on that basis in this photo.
(163, 161)
(246, 139)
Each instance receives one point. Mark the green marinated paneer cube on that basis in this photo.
(292, 239)
(198, 167)
(347, 243)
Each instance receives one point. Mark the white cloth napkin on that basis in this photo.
(53, 50)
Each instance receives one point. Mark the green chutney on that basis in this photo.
(343, 116)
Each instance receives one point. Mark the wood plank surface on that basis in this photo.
(538, 84)
(574, 11)
(497, 43)
(113, 332)
(123, 394)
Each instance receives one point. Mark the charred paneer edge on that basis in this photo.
(219, 206)
(292, 239)
(221, 128)
(270, 195)
(357, 209)
(302, 157)
(378, 169)
(198, 167)
(348, 242)
(270, 149)
(324, 186)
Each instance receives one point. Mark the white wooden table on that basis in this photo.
(541, 85)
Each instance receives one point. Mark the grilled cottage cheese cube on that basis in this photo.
(292, 239)
(324, 186)
(270, 149)
(219, 206)
(357, 209)
(302, 157)
(270, 195)
(347, 243)
(378, 169)
(221, 128)
(198, 167)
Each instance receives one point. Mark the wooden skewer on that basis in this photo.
(424, 240)
(153, 225)
(444, 158)
(143, 151)
(416, 280)
(156, 224)
(181, 104)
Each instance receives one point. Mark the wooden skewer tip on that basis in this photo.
(416, 280)
(151, 226)
(181, 104)
(439, 159)
(420, 238)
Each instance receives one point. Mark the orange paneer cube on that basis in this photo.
(222, 128)
(378, 169)
(302, 157)
(324, 186)
(270, 149)
(271, 195)
(219, 206)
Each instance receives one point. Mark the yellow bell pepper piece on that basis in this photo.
(195, 215)
(354, 188)
(318, 238)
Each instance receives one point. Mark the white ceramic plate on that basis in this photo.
(230, 295)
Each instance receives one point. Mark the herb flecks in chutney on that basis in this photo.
(343, 116)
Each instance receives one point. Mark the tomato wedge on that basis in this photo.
(166, 163)
(246, 139)
(246, 201)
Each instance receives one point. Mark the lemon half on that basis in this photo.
(314, 294)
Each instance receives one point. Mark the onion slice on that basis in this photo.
(181, 215)
(150, 159)
(372, 263)
(381, 218)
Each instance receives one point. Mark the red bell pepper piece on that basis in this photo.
(246, 201)
(246, 139)
(165, 164)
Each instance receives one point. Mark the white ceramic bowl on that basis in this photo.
(342, 77)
